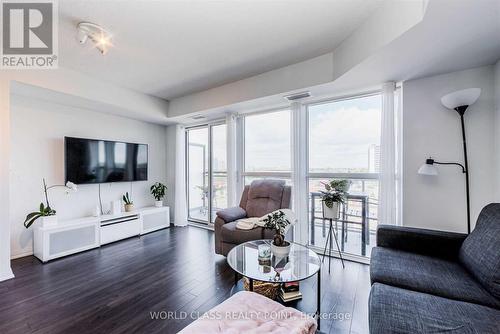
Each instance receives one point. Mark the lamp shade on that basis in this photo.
(427, 169)
(464, 97)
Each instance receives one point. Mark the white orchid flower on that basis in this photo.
(71, 186)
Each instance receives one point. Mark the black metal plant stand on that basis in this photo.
(328, 244)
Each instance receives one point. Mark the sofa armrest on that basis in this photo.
(231, 214)
(415, 240)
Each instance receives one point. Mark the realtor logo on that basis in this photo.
(29, 34)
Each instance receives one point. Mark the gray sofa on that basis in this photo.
(427, 281)
(259, 198)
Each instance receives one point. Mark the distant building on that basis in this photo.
(374, 158)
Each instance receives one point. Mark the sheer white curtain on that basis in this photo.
(389, 192)
(232, 169)
(180, 177)
(299, 169)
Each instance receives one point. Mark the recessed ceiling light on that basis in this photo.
(97, 34)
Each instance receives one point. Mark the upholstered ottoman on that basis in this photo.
(249, 312)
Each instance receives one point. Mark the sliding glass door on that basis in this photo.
(206, 171)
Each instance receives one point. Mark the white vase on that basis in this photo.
(333, 212)
(280, 251)
(48, 221)
(158, 204)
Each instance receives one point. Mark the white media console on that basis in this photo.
(77, 235)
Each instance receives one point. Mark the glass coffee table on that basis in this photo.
(300, 264)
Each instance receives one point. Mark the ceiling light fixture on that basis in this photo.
(97, 34)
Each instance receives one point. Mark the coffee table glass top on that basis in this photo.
(300, 264)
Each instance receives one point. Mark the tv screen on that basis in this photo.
(102, 161)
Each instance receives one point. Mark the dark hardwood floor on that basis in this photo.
(114, 288)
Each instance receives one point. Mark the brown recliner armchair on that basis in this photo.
(258, 199)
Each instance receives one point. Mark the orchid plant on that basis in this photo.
(45, 209)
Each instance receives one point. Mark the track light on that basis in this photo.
(97, 34)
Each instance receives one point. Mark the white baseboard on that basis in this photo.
(17, 256)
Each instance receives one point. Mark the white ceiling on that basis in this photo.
(173, 48)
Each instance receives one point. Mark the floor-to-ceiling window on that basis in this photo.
(267, 146)
(206, 169)
(344, 143)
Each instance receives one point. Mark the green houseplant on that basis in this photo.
(158, 191)
(335, 193)
(129, 205)
(45, 212)
(278, 222)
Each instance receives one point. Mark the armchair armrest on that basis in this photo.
(422, 241)
(231, 214)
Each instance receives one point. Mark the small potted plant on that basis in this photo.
(334, 194)
(158, 191)
(278, 221)
(129, 205)
(46, 214)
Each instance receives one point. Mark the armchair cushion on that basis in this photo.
(441, 244)
(480, 252)
(232, 214)
(264, 196)
(231, 234)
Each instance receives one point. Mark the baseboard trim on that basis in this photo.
(17, 256)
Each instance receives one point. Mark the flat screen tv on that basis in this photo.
(101, 161)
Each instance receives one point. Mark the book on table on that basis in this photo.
(290, 286)
(290, 291)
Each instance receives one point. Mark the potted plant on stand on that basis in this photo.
(278, 221)
(129, 205)
(335, 193)
(46, 214)
(158, 191)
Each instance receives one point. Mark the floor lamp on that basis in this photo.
(458, 101)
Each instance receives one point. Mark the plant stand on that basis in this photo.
(328, 244)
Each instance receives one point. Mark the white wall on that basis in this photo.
(37, 131)
(429, 129)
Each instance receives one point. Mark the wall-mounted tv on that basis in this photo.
(101, 161)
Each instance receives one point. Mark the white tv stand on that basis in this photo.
(77, 235)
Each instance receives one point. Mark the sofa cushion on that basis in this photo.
(231, 214)
(230, 234)
(427, 274)
(395, 310)
(264, 196)
(480, 252)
